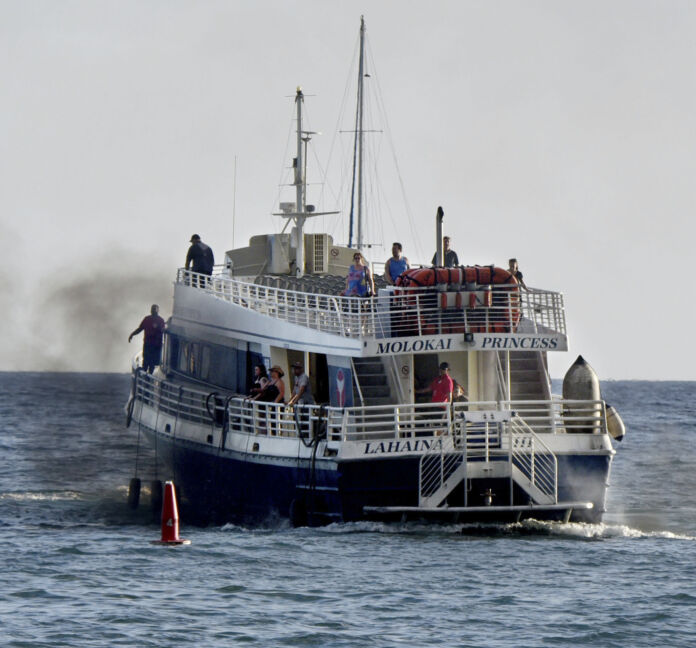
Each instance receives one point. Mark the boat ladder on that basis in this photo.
(488, 443)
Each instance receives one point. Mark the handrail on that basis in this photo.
(540, 467)
(373, 422)
(400, 395)
(500, 375)
(395, 312)
(356, 382)
(438, 464)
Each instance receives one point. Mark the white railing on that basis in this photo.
(533, 458)
(399, 312)
(409, 421)
(384, 422)
(274, 419)
(479, 431)
(437, 465)
(208, 408)
(356, 380)
(556, 415)
(543, 309)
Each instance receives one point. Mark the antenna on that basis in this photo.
(234, 199)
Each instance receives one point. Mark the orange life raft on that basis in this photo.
(454, 312)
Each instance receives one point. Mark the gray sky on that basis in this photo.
(562, 133)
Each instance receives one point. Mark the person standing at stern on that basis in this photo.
(514, 270)
(153, 325)
(201, 260)
(449, 256)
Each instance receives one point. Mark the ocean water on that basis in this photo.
(78, 568)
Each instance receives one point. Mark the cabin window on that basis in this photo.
(212, 363)
(205, 363)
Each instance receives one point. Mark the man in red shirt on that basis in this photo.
(441, 387)
(153, 325)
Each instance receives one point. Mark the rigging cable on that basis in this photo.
(387, 129)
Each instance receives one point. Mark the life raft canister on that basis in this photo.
(503, 297)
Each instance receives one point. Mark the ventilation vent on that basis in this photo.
(317, 258)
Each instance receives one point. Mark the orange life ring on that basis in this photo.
(505, 294)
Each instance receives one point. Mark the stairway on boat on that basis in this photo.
(372, 385)
(371, 377)
(456, 458)
(527, 376)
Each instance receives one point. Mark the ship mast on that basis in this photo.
(300, 211)
(300, 189)
(358, 148)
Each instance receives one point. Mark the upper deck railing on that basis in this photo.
(398, 312)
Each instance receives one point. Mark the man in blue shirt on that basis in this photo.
(396, 264)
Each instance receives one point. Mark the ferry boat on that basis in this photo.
(370, 447)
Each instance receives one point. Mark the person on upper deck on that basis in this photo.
(449, 257)
(396, 264)
(153, 325)
(359, 281)
(200, 257)
(514, 270)
(274, 390)
(302, 391)
(441, 387)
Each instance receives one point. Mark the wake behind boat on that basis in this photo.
(369, 447)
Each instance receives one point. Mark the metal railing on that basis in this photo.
(377, 422)
(274, 419)
(398, 312)
(479, 431)
(437, 465)
(356, 382)
(574, 416)
(478, 436)
(384, 422)
(210, 408)
(533, 458)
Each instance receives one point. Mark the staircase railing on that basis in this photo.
(533, 458)
(503, 378)
(356, 382)
(444, 458)
(395, 380)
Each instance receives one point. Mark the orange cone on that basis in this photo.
(170, 519)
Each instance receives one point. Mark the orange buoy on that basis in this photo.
(170, 519)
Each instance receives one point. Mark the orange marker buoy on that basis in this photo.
(170, 519)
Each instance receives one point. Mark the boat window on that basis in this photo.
(184, 352)
(225, 367)
(205, 363)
